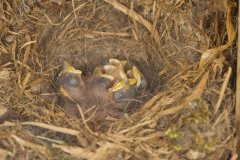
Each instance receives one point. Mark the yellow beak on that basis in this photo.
(112, 67)
(67, 68)
(116, 62)
(122, 84)
(137, 75)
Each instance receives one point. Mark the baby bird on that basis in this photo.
(113, 69)
(122, 88)
(141, 82)
(108, 88)
(88, 91)
(84, 90)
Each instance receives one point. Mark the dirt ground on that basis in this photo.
(186, 49)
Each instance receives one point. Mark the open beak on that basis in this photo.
(109, 67)
(108, 77)
(116, 62)
(99, 72)
(122, 84)
(137, 75)
(67, 68)
(117, 86)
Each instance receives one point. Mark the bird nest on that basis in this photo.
(185, 49)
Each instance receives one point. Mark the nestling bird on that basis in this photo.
(109, 87)
(126, 86)
(123, 89)
(141, 82)
(84, 90)
(113, 68)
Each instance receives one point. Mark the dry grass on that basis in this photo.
(186, 49)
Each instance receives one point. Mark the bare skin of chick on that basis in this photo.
(99, 89)
(87, 92)
(113, 68)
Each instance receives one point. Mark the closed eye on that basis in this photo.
(71, 81)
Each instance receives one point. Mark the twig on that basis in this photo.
(231, 33)
(65, 18)
(112, 33)
(135, 16)
(46, 126)
(224, 86)
(84, 120)
(74, 12)
(238, 90)
(25, 143)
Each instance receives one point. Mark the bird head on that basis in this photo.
(70, 82)
(141, 82)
